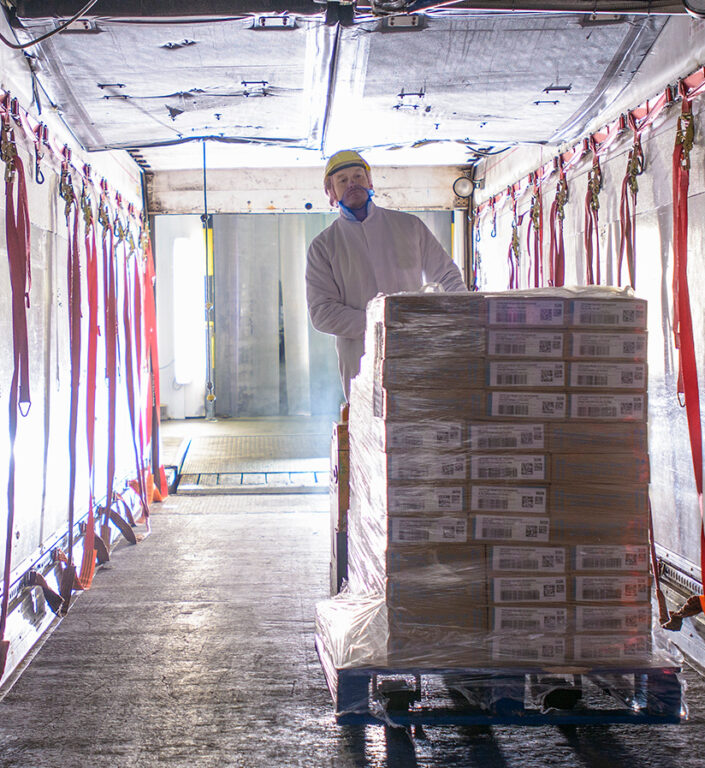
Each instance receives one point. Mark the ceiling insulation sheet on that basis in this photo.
(483, 80)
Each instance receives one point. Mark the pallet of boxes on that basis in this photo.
(498, 522)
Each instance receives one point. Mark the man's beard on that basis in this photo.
(355, 197)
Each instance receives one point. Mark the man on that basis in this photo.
(366, 251)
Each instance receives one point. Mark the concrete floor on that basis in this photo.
(195, 649)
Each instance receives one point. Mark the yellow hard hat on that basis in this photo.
(344, 159)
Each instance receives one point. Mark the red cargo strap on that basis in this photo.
(682, 319)
(591, 235)
(557, 247)
(89, 552)
(18, 253)
(534, 231)
(69, 577)
(514, 249)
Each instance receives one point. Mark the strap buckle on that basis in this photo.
(685, 136)
(66, 192)
(561, 197)
(8, 150)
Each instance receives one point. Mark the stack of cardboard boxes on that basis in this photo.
(499, 476)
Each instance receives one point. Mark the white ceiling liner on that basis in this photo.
(477, 77)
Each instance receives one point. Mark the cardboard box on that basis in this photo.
(635, 619)
(528, 558)
(438, 562)
(528, 589)
(509, 528)
(450, 309)
(527, 405)
(529, 374)
(425, 342)
(509, 467)
(536, 619)
(614, 312)
(429, 647)
(439, 602)
(612, 588)
(403, 373)
(525, 343)
(600, 501)
(509, 499)
(607, 406)
(506, 436)
(606, 345)
(605, 468)
(522, 311)
(597, 437)
(607, 375)
(610, 557)
(434, 404)
(609, 526)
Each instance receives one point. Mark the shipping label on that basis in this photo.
(502, 498)
(420, 499)
(520, 311)
(506, 437)
(608, 375)
(537, 619)
(616, 313)
(631, 346)
(540, 559)
(611, 558)
(505, 467)
(429, 466)
(543, 650)
(411, 530)
(525, 343)
(609, 648)
(531, 405)
(512, 589)
(613, 618)
(585, 405)
(424, 435)
(624, 589)
(530, 373)
(507, 528)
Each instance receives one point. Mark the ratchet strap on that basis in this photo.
(18, 253)
(557, 246)
(591, 234)
(534, 231)
(688, 391)
(69, 577)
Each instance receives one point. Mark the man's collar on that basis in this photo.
(347, 213)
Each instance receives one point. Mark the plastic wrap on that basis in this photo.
(489, 538)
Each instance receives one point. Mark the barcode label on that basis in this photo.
(542, 649)
(613, 558)
(602, 588)
(608, 648)
(527, 374)
(524, 311)
(617, 313)
(488, 498)
(427, 467)
(506, 436)
(423, 436)
(534, 619)
(506, 343)
(615, 618)
(532, 404)
(420, 499)
(407, 530)
(608, 345)
(511, 528)
(622, 407)
(508, 467)
(547, 559)
(529, 590)
(608, 375)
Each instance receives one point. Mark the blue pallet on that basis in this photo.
(648, 695)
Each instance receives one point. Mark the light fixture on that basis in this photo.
(462, 187)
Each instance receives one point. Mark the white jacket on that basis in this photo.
(352, 261)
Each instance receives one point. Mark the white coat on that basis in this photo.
(352, 261)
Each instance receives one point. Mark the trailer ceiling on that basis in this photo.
(145, 75)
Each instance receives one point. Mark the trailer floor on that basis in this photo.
(195, 649)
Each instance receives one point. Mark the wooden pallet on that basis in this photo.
(503, 696)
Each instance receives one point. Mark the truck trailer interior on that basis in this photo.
(183, 539)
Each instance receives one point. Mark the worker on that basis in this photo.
(367, 250)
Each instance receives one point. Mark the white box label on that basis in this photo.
(533, 405)
(617, 313)
(613, 618)
(608, 407)
(424, 435)
(607, 648)
(530, 373)
(546, 312)
(507, 498)
(537, 649)
(597, 589)
(512, 589)
(631, 346)
(508, 467)
(506, 437)
(420, 499)
(410, 530)
(537, 619)
(541, 559)
(507, 343)
(489, 527)
(608, 375)
(611, 558)
(428, 467)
